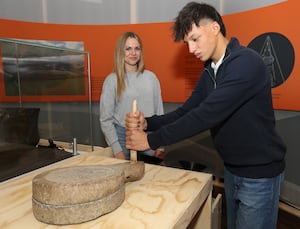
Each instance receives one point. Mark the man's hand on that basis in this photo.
(135, 120)
(136, 139)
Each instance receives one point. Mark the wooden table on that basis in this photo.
(164, 198)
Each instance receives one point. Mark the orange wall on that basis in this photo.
(176, 68)
(281, 18)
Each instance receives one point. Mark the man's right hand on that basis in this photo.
(135, 120)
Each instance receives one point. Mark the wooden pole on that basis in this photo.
(133, 153)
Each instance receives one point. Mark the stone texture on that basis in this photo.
(77, 213)
(78, 194)
(73, 185)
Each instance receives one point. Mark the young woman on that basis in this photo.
(129, 81)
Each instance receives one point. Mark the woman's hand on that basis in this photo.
(120, 155)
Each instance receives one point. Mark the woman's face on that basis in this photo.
(132, 54)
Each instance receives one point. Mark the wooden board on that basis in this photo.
(164, 198)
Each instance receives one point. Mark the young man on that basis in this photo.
(233, 99)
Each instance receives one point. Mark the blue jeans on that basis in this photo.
(121, 132)
(251, 203)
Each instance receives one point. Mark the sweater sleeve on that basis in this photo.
(234, 89)
(107, 105)
(166, 129)
(158, 103)
(158, 120)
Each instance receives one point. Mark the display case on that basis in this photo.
(54, 77)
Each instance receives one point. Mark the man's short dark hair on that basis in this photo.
(192, 13)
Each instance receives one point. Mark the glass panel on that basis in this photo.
(53, 78)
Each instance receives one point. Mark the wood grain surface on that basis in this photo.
(164, 198)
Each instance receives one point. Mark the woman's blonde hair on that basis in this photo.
(119, 65)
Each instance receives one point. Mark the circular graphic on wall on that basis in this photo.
(278, 55)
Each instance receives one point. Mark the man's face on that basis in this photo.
(202, 39)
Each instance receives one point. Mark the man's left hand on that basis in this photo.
(136, 140)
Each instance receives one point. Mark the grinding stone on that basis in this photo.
(72, 185)
(78, 194)
(77, 213)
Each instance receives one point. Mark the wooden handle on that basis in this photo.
(133, 153)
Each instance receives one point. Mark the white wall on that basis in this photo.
(112, 11)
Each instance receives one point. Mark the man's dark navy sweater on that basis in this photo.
(236, 105)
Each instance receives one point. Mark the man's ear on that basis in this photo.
(216, 27)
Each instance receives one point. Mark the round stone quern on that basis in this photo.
(77, 194)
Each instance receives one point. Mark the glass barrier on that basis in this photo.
(53, 76)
